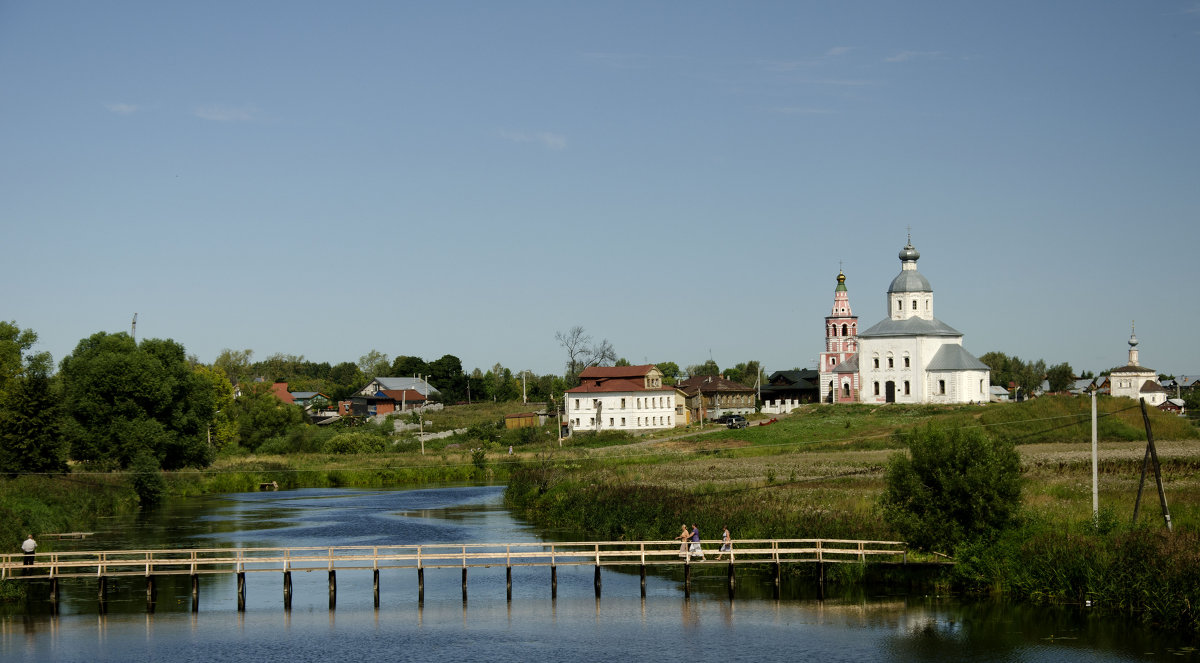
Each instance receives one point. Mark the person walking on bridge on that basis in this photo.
(28, 547)
(682, 538)
(695, 550)
(726, 544)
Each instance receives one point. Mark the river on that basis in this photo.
(665, 626)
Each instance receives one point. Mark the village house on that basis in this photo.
(626, 398)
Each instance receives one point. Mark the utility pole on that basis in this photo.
(1095, 468)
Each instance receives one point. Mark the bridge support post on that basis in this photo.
(195, 593)
(332, 589)
(596, 582)
(420, 585)
(464, 584)
(731, 580)
(287, 590)
(553, 581)
(151, 593)
(101, 597)
(687, 580)
(642, 574)
(777, 574)
(54, 593)
(376, 584)
(241, 591)
(508, 583)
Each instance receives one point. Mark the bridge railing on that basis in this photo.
(196, 561)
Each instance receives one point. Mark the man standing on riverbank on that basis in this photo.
(28, 547)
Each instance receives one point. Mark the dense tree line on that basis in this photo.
(1027, 376)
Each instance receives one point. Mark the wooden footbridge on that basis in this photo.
(105, 564)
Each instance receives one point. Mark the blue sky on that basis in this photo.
(683, 179)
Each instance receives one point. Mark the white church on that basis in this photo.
(908, 357)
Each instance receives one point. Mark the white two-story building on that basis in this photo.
(627, 398)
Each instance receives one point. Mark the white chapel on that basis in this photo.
(909, 357)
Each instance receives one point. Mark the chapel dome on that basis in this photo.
(909, 279)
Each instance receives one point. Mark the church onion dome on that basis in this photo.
(841, 286)
(910, 280)
(909, 252)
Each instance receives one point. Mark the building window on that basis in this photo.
(906, 391)
(595, 403)
(891, 362)
(622, 421)
(591, 421)
(906, 363)
(576, 403)
(877, 362)
(876, 388)
(846, 390)
(899, 305)
(610, 422)
(942, 387)
(622, 403)
(914, 305)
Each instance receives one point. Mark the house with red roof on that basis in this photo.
(626, 398)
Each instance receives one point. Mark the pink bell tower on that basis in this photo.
(839, 362)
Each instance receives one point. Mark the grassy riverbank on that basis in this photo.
(819, 474)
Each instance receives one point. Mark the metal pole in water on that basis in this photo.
(332, 589)
(100, 595)
(553, 581)
(508, 582)
(596, 582)
(642, 573)
(420, 584)
(376, 583)
(195, 593)
(464, 584)
(287, 590)
(241, 591)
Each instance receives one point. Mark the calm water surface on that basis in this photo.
(665, 626)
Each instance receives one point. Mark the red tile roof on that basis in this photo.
(281, 392)
(403, 395)
(603, 386)
(592, 372)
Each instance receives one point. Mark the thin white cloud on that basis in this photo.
(838, 50)
(218, 113)
(122, 109)
(550, 141)
(906, 56)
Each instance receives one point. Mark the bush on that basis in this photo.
(147, 480)
(954, 486)
(354, 443)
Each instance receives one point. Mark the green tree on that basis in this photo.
(405, 366)
(953, 486)
(707, 368)
(1060, 376)
(670, 371)
(260, 416)
(122, 398)
(344, 380)
(1001, 367)
(30, 440)
(374, 364)
(235, 364)
(222, 431)
(446, 375)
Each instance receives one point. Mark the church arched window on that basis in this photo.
(845, 328)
